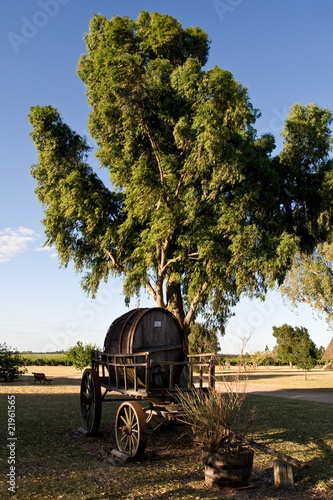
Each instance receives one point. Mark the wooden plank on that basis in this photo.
(121, 455)
(211, 383)
(125, 378)
(200, 377)
(164, 348)
(190, 378)
(135, 378)
(283, 475)
(171, 377)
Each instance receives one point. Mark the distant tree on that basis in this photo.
(321, 351)
(10, 363)
(80, 355)
(287, 338)
(305, 354)
(310, 281)
(265, 358)
(197, 211)
(203, 339)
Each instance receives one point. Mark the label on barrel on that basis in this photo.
(158, 323)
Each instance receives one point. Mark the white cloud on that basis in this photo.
(44, 249)
(47, 249)
(15, 241)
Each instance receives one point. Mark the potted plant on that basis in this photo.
(216, 418)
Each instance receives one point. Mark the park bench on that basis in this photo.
(41, 378)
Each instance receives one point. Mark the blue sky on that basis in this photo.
(280, 50)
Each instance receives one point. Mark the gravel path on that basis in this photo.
(296, 394)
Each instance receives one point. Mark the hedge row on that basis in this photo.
(31, 361)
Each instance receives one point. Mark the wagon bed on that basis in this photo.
(139, 376)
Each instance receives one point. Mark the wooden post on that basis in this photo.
(212, 373)
(283, 475)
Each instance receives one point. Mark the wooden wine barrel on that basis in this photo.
(152, 329)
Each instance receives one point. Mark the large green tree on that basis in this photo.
(294, 346)
(310, 281)
(198, 211)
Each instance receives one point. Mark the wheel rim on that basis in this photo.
(90, 400)
(131, 428)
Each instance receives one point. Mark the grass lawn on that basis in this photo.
(291, 378)
(53, 462)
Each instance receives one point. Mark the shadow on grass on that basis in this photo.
(53, 460)
(28, 380)
(301, 429)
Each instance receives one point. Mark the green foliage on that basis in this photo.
(80, 355)
(306, 167)
(200, 212)
(295, 346)
(310, 281)
(265, 358)
(203, 339)
(41, 359)
(10, 363)
(305, 354)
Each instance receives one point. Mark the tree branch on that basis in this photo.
(115, 264)
(301, 298)
(170, 261)
(180, 182)
(151, 291)
(156, 153)
(195, 303)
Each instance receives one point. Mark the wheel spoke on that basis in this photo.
(126, 416)
(123, 419)
(125, 436)
(131, 430)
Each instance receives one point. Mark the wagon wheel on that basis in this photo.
(131, 428)
(91, 401)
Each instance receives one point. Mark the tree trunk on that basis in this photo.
(175, 306)
(174, 301)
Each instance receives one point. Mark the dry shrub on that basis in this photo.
(215, 416)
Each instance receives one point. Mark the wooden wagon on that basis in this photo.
(144, 358)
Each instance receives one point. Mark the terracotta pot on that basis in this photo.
(228, 469)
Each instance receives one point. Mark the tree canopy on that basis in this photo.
(198, 211)
(310, 281)
(305, 354)
(10, 363)
(80, 354)
(295, 346)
